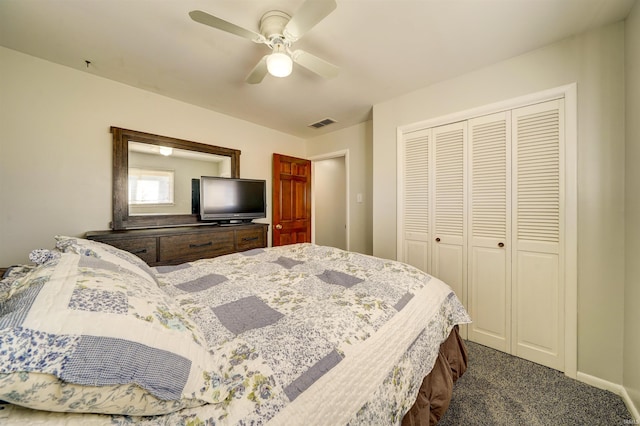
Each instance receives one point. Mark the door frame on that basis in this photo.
(336, 154)
(569, 93)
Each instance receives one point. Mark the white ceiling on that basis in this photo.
(384, 48)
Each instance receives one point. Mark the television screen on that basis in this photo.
(232, 200)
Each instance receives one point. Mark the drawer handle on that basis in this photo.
(200, 245)
(250, 239)
(139, 251)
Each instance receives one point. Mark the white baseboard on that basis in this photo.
(630, 406)
(611, 387)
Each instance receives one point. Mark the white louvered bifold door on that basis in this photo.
(415, 199)
(538, 209)
(449, 261)
(489, 281)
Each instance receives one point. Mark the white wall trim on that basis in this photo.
(521, 101)
(633, 410)
(336, 154)
(571, 230)
(399, 196)
(569, 93)
(611, 387)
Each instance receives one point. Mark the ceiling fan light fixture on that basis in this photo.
(279, 64)
(166, 151)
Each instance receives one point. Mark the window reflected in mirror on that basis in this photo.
(150, 187)
(160, 178)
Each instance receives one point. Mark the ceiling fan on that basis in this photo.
(279, 31)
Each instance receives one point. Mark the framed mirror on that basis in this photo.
(155, 177)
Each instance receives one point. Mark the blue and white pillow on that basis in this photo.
(99, 250)
(82, 334)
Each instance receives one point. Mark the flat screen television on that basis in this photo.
(228, 200)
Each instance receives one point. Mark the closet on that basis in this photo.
(481, 206)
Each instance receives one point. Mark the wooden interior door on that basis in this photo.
(291, 200)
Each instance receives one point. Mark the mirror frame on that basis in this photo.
(121, 137)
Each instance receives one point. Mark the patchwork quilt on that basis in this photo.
(299, 334)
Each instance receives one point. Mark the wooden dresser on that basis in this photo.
(171, 246)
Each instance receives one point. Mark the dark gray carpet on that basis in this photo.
(500, 389)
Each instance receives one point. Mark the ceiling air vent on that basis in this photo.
(322, 123)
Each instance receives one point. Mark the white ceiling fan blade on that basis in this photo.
(315, 64)
(258, 72)
(215, 22)
(306, 17)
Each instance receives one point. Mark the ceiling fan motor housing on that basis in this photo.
(272, 24)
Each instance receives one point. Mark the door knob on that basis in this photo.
(278, 226)
(500, 244)
(438, 240)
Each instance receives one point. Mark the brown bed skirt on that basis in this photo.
(436, 389)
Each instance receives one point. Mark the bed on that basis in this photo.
(299, 334)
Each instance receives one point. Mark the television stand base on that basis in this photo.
(235, 222)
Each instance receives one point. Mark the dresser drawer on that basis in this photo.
(145, 248)
(247, 239)
(189, 247)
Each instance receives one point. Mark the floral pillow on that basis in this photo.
(86, 335)
(10, 282)
(106, 252)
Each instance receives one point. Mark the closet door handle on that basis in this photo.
(438, 240)
(500, 244)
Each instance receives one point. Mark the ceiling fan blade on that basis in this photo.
(221, 24)
(258, 72)
(315, 64)
(306, 17)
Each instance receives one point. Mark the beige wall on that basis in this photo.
(595, 61)
(632, 209)
(55, 149)
(55, 153)
(357, 139)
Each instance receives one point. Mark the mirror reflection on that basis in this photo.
(161, 203)
(160, 178)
